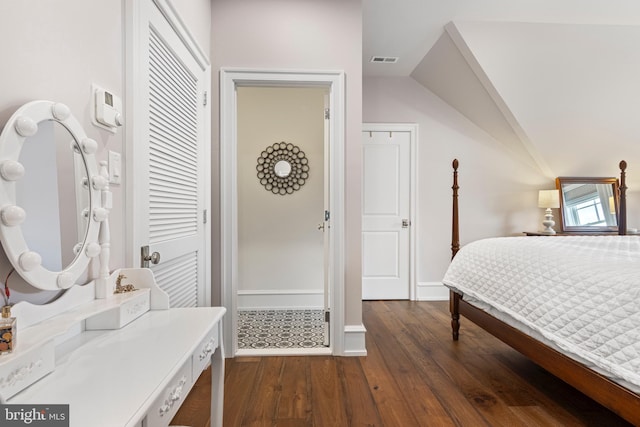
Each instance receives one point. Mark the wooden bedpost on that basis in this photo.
(455, 232)
(454, 308)
(622, 198)
(454, 298)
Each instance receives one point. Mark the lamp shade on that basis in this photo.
(549, 199)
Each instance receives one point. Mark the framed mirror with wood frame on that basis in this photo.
(588, 204)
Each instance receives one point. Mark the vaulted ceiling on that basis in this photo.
(557, 82)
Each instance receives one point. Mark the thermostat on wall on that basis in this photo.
(108, 109)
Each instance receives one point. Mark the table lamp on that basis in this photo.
(548, 199)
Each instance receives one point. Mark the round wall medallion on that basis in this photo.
(282, 168)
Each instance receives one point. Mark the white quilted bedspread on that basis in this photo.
(581, 293)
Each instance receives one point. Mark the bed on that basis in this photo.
(569, 303)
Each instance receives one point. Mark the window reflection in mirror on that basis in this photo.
(588, 204)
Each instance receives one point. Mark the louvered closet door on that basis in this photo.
(171, 195)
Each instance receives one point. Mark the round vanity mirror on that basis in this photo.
(55, 171)
(49, 195)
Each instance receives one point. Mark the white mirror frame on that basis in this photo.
(22, 124)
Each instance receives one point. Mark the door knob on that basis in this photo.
(406, 223)
(145, 257)
(154, 258)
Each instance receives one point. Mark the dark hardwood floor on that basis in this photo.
(414, 375)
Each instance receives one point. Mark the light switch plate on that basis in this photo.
(115, 167)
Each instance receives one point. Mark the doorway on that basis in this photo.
(247, 231)
(281, 221)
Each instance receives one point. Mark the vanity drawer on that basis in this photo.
(21, 372)
(202, 356)
(166, 405)
(130, 306)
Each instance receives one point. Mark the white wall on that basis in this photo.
(55, 50)
(562, 94)
(569, 87)
(301, 35)
(498, 194)
(280, 249)
(196, 16)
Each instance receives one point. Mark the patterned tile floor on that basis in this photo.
(260, 329)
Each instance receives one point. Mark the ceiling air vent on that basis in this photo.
(385, 59)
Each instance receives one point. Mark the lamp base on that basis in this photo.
(548, 223)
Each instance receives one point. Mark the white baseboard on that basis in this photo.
(281, 299)
(354, 344)
(324, 351)
(432, 291)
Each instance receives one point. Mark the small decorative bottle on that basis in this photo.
(7, 331)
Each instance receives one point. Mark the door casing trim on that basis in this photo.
(230, 79)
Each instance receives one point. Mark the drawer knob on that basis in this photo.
(173, 397)
(207, 350)
(164, 409)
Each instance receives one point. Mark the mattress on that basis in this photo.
(578, 294)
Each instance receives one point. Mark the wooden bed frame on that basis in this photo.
(619, 399)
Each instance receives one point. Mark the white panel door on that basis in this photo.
(168, 156)
(386, 215)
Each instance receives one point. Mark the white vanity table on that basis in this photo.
(117, 360)
(135, 375)
(138, 375)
